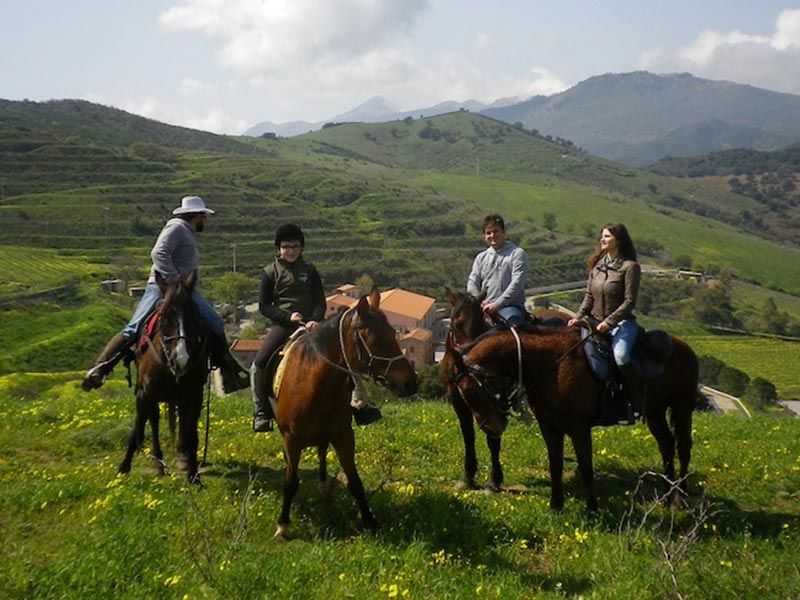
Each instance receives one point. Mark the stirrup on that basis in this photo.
(94, 378)
(262, 424)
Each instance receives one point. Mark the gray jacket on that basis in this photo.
(501, 273)
(175, 252)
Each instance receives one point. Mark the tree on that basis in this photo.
(710, 368)
(430, 383)
(733, 381)
(231, 288)
(365, 284)
(549, 221)
(761, 393)
(713, 306)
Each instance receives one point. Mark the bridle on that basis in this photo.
(181, 361)
(363, 348)
(482, 377)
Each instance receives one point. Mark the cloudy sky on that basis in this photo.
(225, 65)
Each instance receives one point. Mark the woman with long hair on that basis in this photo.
(609, 301)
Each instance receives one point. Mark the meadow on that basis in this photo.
(72, 528)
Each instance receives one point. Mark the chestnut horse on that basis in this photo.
(566, 398)
(313, 402)
(467, 322)
(171, 367)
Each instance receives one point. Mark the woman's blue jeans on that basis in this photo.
(623, 339)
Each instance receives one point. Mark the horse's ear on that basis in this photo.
(481, 296)
(374, 298)
(451, 296)
(362, 308)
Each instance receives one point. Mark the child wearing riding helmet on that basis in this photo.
(291, 296)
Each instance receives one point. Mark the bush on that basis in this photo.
(430, 383)
(733, 381)
(710, 368)
(761, 393)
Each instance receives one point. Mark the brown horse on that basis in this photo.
(566, 398)
(313, 402)
(171, 367)
(467, 322)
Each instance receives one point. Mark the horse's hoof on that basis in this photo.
(282, 533)
(195, 480)
(463, 484)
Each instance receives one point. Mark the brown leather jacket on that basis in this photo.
(611, 291)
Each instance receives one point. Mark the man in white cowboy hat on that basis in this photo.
(174, 254)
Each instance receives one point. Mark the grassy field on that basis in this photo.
(72, 528)
(772, 359)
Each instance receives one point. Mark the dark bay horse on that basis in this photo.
(313, 402)
(566, 398)
(467, 322)
(171, 367)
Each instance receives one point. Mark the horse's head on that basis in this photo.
(180, 340)
(467, 320)
(377, 350)
(483, 392)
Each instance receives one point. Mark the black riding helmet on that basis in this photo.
(288, 232)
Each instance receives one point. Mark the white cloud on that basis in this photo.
(191, 87)
(312, 59)
(262, 36)
(768, 61)
(482, 41)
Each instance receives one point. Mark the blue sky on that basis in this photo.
(225, 65)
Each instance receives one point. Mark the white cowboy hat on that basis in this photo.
(192, 204)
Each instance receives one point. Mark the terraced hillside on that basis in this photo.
(400, 201)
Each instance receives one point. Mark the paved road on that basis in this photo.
(793, 405)
(724, 402)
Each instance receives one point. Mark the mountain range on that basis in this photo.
(634, 118)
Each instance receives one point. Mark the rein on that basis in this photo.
(477, 372)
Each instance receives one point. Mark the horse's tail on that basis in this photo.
(685, 375)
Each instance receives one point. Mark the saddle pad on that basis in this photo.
(283, 353)
(149, 330)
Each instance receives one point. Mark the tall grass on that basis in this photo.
(72, 528)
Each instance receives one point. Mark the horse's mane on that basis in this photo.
(317, 343)
(175, 298)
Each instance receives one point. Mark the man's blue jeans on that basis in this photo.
(147, 306)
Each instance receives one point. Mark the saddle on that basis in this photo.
(650, 354)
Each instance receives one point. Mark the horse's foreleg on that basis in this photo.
(291, 481)
(324, 482)
(582, 442)
(555, 457)
(496, 478)
(465, 421)
(188, 416)
(136, 437)
(346, 449)
(156, 454)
